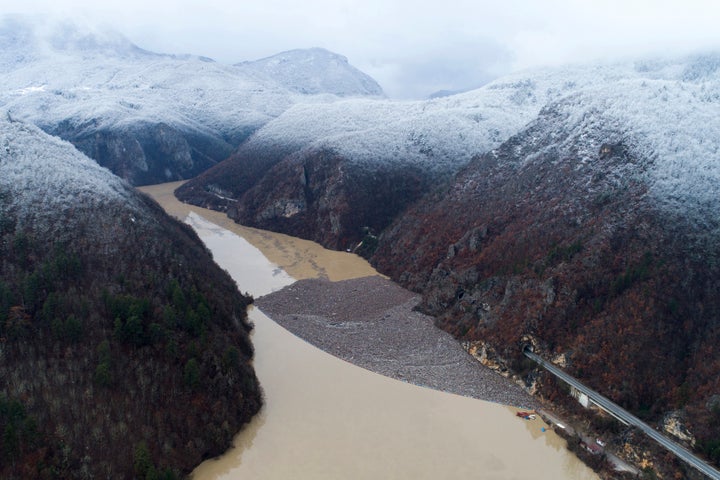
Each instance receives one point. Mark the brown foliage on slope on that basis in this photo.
(125, 350)
(536, 239)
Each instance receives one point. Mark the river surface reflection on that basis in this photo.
(327, 419)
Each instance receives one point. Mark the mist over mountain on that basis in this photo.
(149, 117)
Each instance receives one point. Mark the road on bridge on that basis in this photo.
(627, 417)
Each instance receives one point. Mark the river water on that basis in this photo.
(324, 418)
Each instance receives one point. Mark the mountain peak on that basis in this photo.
(315, 70)
(307, 55)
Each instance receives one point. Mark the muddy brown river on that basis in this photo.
(325, 418)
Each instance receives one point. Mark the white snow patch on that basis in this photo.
(672, 125)
(27, 90)
(46, 176)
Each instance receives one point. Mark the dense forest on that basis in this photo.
(124, 350)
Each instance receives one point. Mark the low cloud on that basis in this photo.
(412, 48)
(455, 67)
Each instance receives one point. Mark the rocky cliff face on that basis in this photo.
(124, 350)
(323, 196)
(223, 185)
(316, 194)
(147, 153)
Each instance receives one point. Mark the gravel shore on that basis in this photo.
(371, 323)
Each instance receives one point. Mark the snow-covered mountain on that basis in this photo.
(561, 205)
(649, 135)
(315, 71)
(433, 139)
(385, 154)
(594, 233)
(43, 174)
(148, 117)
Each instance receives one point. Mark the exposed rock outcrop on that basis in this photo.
(145, 154)
(322, 196)
(674, 424)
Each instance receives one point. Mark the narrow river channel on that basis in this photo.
(324, 418)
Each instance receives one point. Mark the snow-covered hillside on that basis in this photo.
(52, 189)
(54, 72)
(453, 129)
(662, 111)
(672, 127)
(76, 82)
(42, 174)
(313, 71)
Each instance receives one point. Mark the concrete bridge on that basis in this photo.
(624, 416)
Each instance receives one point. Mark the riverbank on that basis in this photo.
(371, 322)
(325, 418)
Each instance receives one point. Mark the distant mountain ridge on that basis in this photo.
(151, 117)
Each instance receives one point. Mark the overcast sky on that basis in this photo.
(412, 47)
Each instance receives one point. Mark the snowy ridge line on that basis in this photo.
(670, 126)
(665, 111)
(109, 82)
(42, 172)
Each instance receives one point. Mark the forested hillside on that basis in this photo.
(594, 234)
(124, 350)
